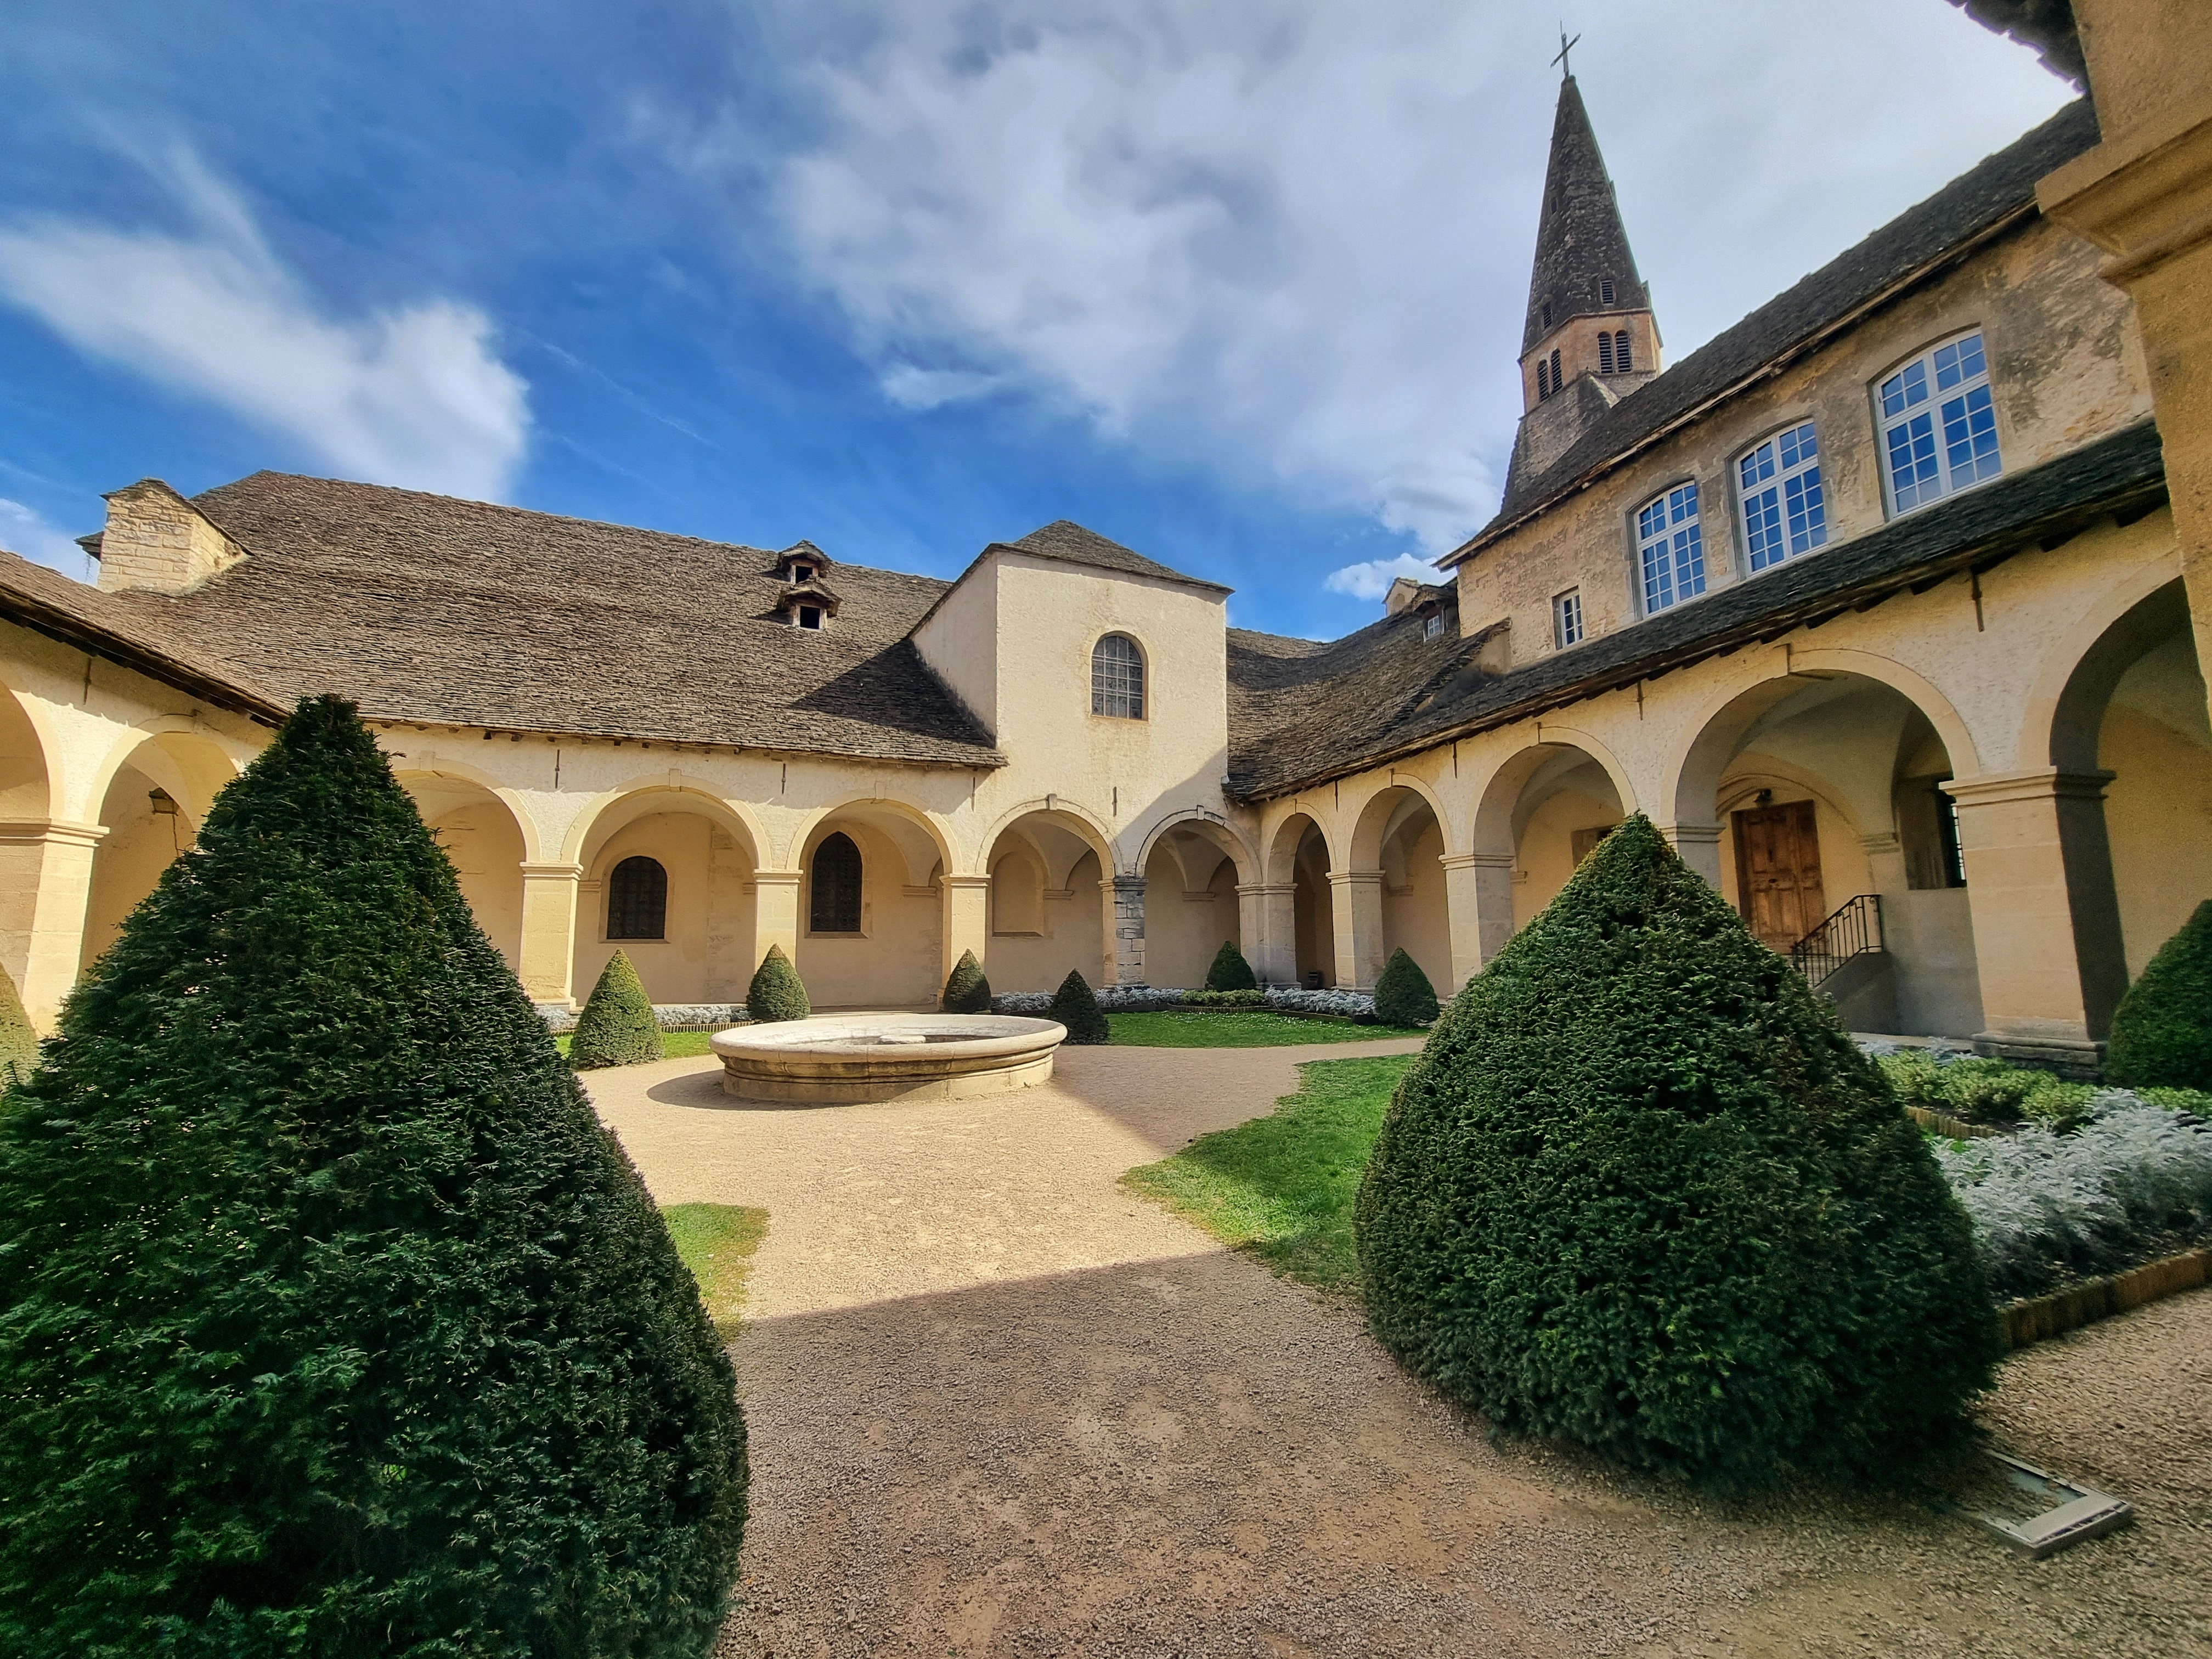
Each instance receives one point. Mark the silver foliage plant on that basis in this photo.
(2042, 1203)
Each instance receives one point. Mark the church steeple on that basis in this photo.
(1590, 337)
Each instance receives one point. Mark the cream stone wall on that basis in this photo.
(2157, 810)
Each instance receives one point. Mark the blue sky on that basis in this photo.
(1236, 283)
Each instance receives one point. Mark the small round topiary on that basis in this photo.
(1074, 1007)
(19, 1042)
(2162, 1031)
(617, 1027)
(1642, 1191)
(776, 991)
(966, 990)
(1231, 972)
(1403, 996)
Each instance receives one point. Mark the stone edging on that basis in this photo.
(2040, 1316)
(1956, 1127)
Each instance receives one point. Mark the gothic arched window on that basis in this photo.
(637, 900)
(834, 902)
(1117, 677)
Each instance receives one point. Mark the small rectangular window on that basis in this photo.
(1785, 507)
(1605, 354)
(1939, 425)
(810, 616)
(1432, 627)
(1567, 618)
(1605, 291)
(1670, 546)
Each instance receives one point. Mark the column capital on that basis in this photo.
(964, 883)
(1885, 841)
(1355, 878)
(550, 871)
(1265, 889)
(2042, 783)
(1127, 883)
(1690, 834)
(1477, 860)
(778, 877)
(21, 832)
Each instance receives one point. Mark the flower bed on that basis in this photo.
(669, 1016)
(1152, 998)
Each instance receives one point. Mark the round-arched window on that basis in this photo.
(637, 900)
(833, 898)
(1117, 677)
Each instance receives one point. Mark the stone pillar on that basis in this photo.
(46, 884)
(1355, 909)
(776, 915)
(548, 958)
(1885, 855)
(1699, 846)
(1267, 912)
(1124, 899)
(967, 925)
(2046, 919)
(1478, 889)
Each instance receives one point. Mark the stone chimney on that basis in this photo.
(157, 541)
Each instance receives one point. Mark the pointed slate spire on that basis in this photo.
(1581, 244)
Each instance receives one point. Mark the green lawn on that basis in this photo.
(674, 1045)
(1240, 1028)
(1282, 1186)
(717, 1242)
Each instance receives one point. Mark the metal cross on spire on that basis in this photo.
(1566, 73)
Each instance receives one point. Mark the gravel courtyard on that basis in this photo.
(999, 1405)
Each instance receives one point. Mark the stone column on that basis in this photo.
(1267, 912)
(547, 958)
(1479, 893)
(1355, 907)
(2046, 918)
(1699, 846)
(776, 915)
(1124, 899)
(46, 884)
(967, 923)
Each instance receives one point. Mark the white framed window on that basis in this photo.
(1117, 677)
(1432, 625)
(1939, 427)
(1785, 507)
(1567, 618)
(1670, 548)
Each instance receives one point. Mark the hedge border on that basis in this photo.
(2040, 1316)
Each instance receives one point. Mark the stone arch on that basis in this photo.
(1031, 946)
(487, 833)
(1499, 818)
(706, 845)
(900, 820)
(421, 781)
(2066, 704)
(1072, 816)
(1396, 890)
(200, 760)
(1372, 818)
(1222, 836)
(156, 782)
(1288, 834)
(32, 780)
(736, 816)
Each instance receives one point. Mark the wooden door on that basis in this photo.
(1778, 872)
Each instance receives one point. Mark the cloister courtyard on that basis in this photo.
(1001, 1404)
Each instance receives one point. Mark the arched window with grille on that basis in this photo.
(1117, 677)
(637, 900)
(834, 887)
(1623, 363)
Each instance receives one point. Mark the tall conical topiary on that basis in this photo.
(19, 1042)
(333, 1322)
(1641, 1191)
(1230, 971)
(617, 1026)
(1403, 996)
(2162, 1030)
(776, 991)
(966, 990)
(1074, 1007)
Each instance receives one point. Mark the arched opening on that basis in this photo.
(1838, 843)
(833, 877)
(1117, 678)
(23, 800)
(1190, 906)
(1399, 834)
(701, 950)
(1048, 914)
(152, 811)
(480, 836)
(870, 910)
(1298, 856)
(637, 900)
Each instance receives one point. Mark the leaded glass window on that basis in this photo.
(833, 904)
(1671, 547)
(637, 900)
(1117, 678)
(1939, 426)
(1785, 508)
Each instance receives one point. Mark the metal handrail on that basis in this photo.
(1852, 931)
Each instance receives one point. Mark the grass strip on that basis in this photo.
(717, 1242)
(1282, 1186)
(1242, 1029)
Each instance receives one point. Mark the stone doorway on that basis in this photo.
(1777, 869)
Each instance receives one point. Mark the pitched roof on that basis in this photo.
(1907, 249)
(1070, 543)
(1580, 240)
(425, 608)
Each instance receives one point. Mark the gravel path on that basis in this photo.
(1001, 1407)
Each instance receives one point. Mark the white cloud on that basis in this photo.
(1290, 239)
(1372, 580)
(416, 396)
(22, 530)
(912, 387)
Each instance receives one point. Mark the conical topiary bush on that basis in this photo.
(775, 992)
(1403, 996)
(336, 1323)
(2162, 1031)
(1230, 971)
(1642, 1192)
(19, 1042)
(966, 990)
(1074, 1007)
(617, 1026)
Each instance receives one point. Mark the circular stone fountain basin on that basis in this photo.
(849, 1059)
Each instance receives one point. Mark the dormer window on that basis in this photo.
(1432, 625)
(809, 616)
(802, 572)
(808, 603)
